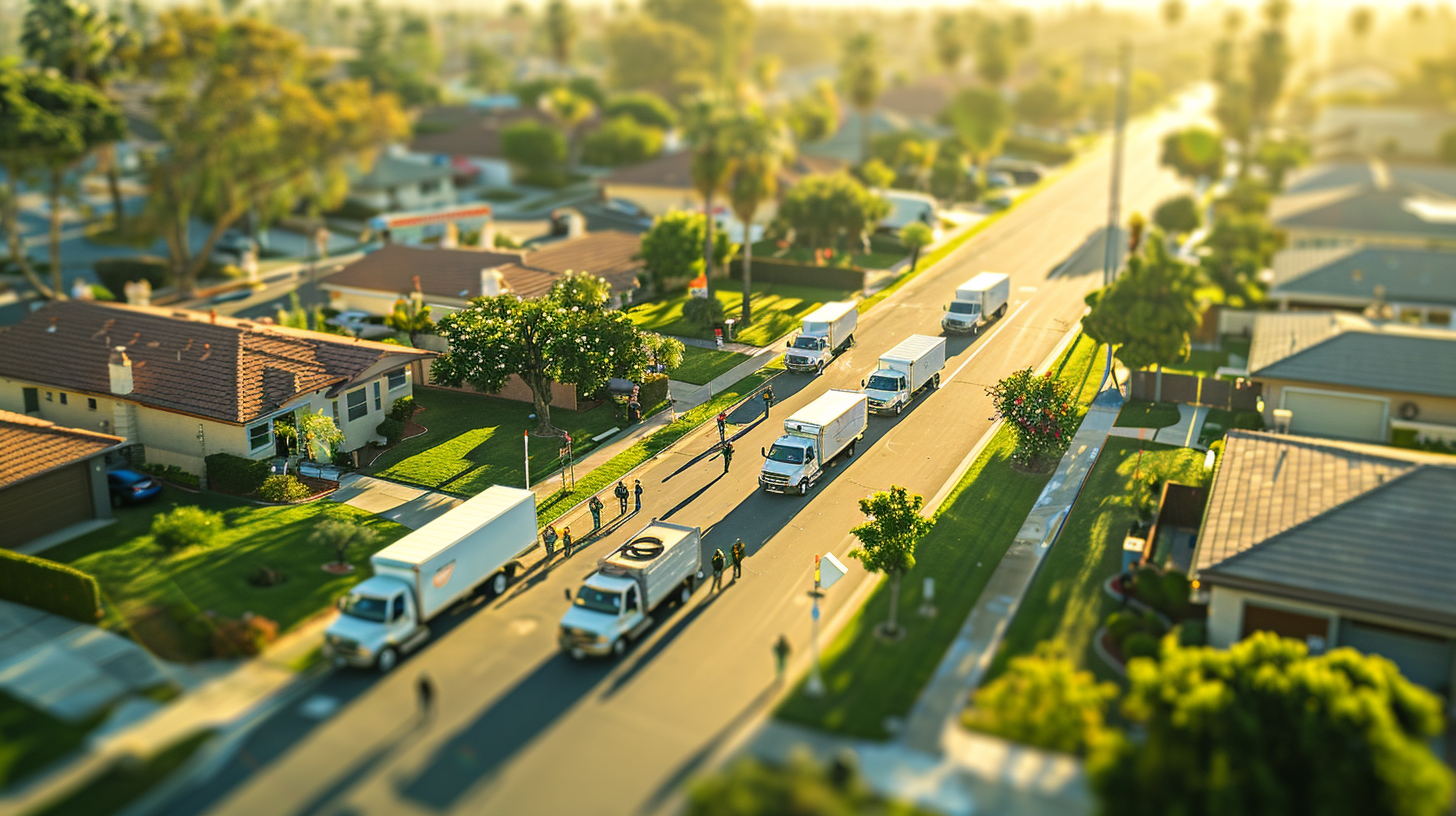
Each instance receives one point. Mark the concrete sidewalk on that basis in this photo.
(407, 505)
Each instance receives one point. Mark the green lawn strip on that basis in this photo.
(124, 783)
(1200, 363)
(1140, 414)
(31, 739)
(777, 309)
(474, 441)
(136, 575)
(868, 680)
(615, 468)
(1219, 422)
(700, 365)
(1065, 602)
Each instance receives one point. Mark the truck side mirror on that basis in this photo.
(944, 307)
(861, 383)
(763, 453)
(568, 594)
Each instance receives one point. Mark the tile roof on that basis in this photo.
(1347, 349)
(611, 254)
(392, 171)
(190, 362)
(674, 171)
(1389, 550)
(1401, 210)
(1269, 483)
(1353, 272)
(33, 446)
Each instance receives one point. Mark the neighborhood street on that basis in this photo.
(521, 728)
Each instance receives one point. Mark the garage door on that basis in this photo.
(45, 504)
(1422, 659)
(1345, 416)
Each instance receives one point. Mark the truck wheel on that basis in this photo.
(498, 584)
(1001, 311)
(936, 381)
(803, 487)
(899, 407)
(686, 593)
(386, 661)
(820, 371)
(851, 447)
(619, 647)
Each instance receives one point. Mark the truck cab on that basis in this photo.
(808, 352)
(961, 317)
(378, 620)
(888, 391)
(608, 611)
(790, 465)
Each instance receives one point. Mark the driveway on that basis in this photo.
(411, 506)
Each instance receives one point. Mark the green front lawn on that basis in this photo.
(776, 311)
(31, 739)
(700, 365)
(138, 577)
(124, 783)
(1139, 414)
(1205, 363)
(885, 252)
(474, 441)
(1066, 602)
(869, 680)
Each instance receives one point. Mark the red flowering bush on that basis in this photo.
(1041, 411)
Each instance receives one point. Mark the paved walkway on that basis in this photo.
(1184, 433)
(410, 506)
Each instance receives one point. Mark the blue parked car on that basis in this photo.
(129, 486)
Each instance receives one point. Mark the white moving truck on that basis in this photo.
(824, 332)
(904, 370)
(614, 605)
(416, 578)
(977, 301)
(813, 436)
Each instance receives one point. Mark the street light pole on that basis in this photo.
(1114, 194)
(526, 441)
(815, 686)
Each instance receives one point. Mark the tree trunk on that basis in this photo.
(12, 236)
(113, 183)
(894, 626)
(747, 274)
(708, 242)
(541, 397)
(1158, 384)
(57, 278)
(914, 258)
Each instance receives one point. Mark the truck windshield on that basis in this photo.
(962, 307)
(788, 454)
(808, 343)
(883, 382)
(366, 608)
(599, 601)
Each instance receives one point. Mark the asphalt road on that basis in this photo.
(523, 729)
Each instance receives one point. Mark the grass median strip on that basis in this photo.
(869, 680)
(776, 311)
(700, 365)
(608, 473)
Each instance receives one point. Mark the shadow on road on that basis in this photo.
(1088, 258)
(642, 658)
(693, 764)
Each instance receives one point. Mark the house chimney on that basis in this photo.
(120, 365)
(491, 282)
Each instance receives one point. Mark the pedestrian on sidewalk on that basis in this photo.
(781, 654)
(727, 455)
(595, 506)
(768, 399)
(637, 494)
(722, 426)
(566, 542)
(717, 569)
(736, 553)
(549, 539)
(621, 494)
(425, 688)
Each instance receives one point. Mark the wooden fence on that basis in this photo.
(1230, 395)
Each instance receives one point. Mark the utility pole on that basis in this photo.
(1110, 258)
(815, 686)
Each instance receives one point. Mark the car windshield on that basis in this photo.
(884, 382)
(599, 601)
(788, 454)
(366, 608)
(962, 307)
(807, 343)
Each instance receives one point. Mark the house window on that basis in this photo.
(378, 403)
(63, 398)
(32, 399)
(429, 187)
(259, 436)
(397, 379)
(50, 397)
(91, 403)
(358, 404)
(334, 409)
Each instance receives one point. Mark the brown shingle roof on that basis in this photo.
(609, 254)
(33, 446)
(218, 368)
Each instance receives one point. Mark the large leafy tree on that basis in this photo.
(403, 61)
(567, 335)
(1239, 245)
(861, 68)
(981, 119)
(570, 111)
(667, 58)
(673, 247)
(47, 125)
(252, 122)
(815, 116)
(1042, 413)
(1178, 215)
(1194, 153)
(536, 147)
(759, 146)
(486, 70)
(1149, 311)
(725, 25)
(993, 52)
(887, 539)
(621, 141)
(822, 208)
(1265, 728)
(1045, 701)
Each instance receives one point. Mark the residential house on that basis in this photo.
(51, 477)
(1357, 130)
(183, 385)
(847, 143)
(470, 137)
(1333, 543)
(1370, 203)
(1347, 376)
(396, 183)
(1417, 285)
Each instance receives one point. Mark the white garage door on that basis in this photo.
(1346, 416)
(1422, 659)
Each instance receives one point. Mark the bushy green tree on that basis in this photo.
(1194, 153)
(621, 141)
(536, 147)
(1043, 700)
(1041, 411)
(1239, 246)
(822, 208)
(1264, 728)
(486, 69)
(887, 539)
(705, 312)
(673, 247)
(185, 526)
(982, 120)
(948, 37)
(646, 108)
(1149, 311)
(800, 787)
(726, 26)
(341, 536)
(667, 58)
(916, 236)
(569, 111)
(815, 116)
(1178, 215)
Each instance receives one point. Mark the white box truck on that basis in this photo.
(977, 301)
(475, 545)
(823, 333)
(615, 604)
(814, 435)
(904, 371)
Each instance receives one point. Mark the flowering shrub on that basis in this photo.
(1041, 411)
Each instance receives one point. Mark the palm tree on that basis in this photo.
(561, 30)
(706, 123)
(1173, 12)
(949, 42)
(860, 73)
(569, 110)
(87, 46)
(759, 145)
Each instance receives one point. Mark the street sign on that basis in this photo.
(830, 570)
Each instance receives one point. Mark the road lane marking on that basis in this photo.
(1006, 321)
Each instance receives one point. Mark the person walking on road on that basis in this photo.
(736, 554)
(621, 493)
(637, 493)
(781, 654)
(549, 539)
(595, 506)
(722, 427)
(717, 569)
(566, 542)
(425, 688)
(727, 455)
(768, 399)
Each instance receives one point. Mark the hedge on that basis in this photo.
(654, 391)
(115, 273)
(234, 474)
(1024, 147)
(49, 586)
(793, 273)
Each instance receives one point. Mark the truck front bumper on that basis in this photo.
(777, 487)
(580, 648)
(887, 408)
(960, 328)
(358, 658)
